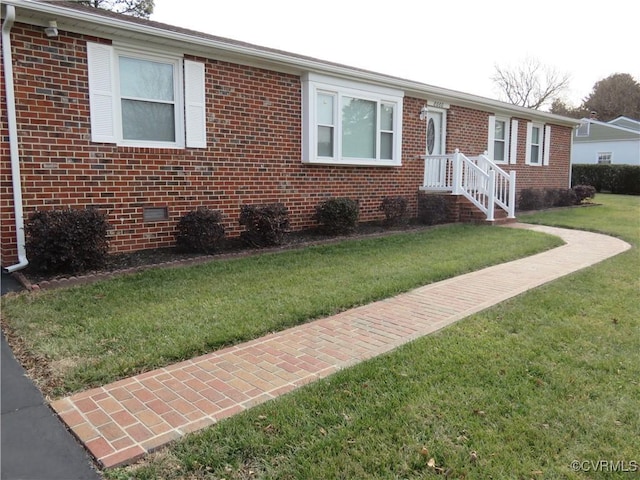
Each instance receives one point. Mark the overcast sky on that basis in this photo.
(446, 43)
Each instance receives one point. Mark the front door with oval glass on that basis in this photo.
(436, 122)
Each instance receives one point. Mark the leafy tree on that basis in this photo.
(530, 84)
(616, 95)
(136, 8)
(560, 108)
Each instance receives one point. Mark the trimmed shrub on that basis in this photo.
(395, 210)
(621, 179)
(200, 231)
(265, 224)
(531, 199)
(67, 241)
(583, 192)
(537, 199)
(338, 215)
(550, 197)
(433, 209)
(565, 198)
(626, 179)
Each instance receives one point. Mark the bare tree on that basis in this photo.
(530, 84)
(136, 8)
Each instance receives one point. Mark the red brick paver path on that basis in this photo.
(122, 421)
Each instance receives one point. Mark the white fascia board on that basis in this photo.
(30, 11)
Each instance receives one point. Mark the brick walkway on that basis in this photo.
(123, 421)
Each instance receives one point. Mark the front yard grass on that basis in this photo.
(518, 391)
(91, 335)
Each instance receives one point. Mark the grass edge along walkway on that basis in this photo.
(121, 422)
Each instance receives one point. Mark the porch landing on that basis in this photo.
(122, 421)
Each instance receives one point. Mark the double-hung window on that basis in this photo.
(143, 99)
(535, 145)
(538, 144)
(148, 99)
(348, 123)
(498, 139)
(605, 157)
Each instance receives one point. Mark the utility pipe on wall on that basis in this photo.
(10, 16)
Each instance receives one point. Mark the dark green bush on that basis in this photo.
(531, 199)
(67, 241)
(621, 179)
(433, 209)
(626, 179)
(583, 192)
(395, 210)
(338, 215)
(200, 231)
(565, 197)
(265, 224)
(537, 199)
(550, 197)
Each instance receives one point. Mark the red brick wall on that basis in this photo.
(468, 130)
(253, 154)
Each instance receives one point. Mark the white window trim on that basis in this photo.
(312, 84)
(105, 105)
(541, 145)
(507, 137)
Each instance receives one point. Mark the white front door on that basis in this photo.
(436, 124)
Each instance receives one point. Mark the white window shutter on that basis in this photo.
(513, 142)
(547, 145)
(527, 157)
(101, 96)
(195, 104)
(492, 136)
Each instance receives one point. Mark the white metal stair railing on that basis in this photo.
(478, 179)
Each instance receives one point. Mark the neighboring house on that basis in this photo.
(147, 121)
(615, 142)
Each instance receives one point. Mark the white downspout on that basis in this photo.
(13, 139)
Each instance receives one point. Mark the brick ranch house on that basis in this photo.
(146, 122)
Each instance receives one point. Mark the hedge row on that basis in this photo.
(536, 198)
(621, 179)
(75, 240)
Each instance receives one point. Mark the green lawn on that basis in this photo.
(518, 391)
(95, 334)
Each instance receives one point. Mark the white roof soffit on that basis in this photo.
(209, 46)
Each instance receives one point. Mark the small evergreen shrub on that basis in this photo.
(583, 192)
(265, 224)
(67, 241)
(395, 210)
(338, 215)
(200, 231)
(551, 197)
(433, 209)
(565, 197)
(531, 199)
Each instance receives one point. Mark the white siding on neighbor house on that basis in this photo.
(623, 152)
